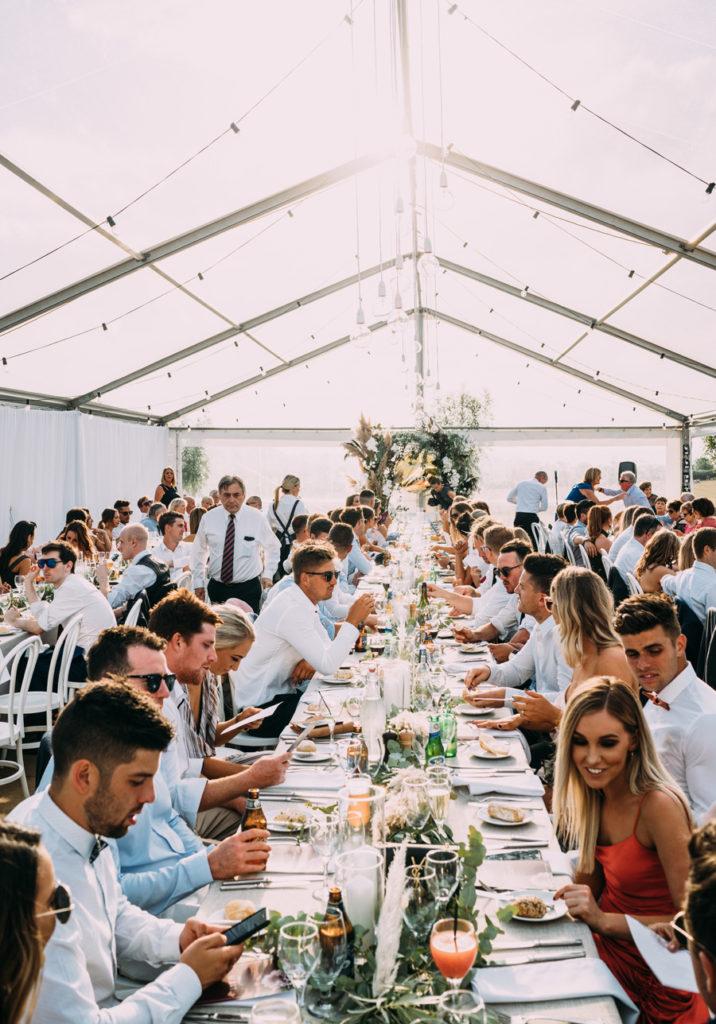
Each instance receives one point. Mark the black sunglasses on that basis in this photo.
(48, 563)
(154, 680)
(505, 570)
(61, 904)
(327, 576)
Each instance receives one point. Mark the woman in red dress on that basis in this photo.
(615, 802)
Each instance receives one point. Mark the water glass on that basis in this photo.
(418, 900)
(461, 1006)
(415, 792)
(323, 833)
(332, 958)
(446, 865)
(298, 952)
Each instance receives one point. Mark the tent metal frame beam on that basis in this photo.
(495, 435)
(273, 372)
(232, 332)
(187, 239)
(10, 396)
(561, 367)
(582, 318)
(645, 233)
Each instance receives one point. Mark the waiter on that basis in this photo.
(231, 536)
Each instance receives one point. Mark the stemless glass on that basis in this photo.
(323, 833)
(332, 957)
(461, 1006)
(275, 1011)
(453, 947)
(417, 806)
(446, 865)
(418, 901)
(298, 952)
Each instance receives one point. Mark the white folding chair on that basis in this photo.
(607, 563)
(538, 533)
(62, 655)
(556, 541)
(133, 614)
(22, 658)
(184, 581)
(581, 556)
(569, 552)
(633, 583)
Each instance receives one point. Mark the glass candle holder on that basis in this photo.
(361, 876)
(361, 809)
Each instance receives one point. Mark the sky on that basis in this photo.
(100, 100)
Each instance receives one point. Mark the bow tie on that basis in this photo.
(99, 845)
(654, 697)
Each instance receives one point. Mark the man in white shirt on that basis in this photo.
(697, 585)
(541, 657)
(644, 529)
(230, 538)
(172, 550)
(505, 621)
(631, 494)
(530, 498)
(289, 634)
(72, 594)
(107, 743)
(495, 597)
(681, 711)
(124, 510)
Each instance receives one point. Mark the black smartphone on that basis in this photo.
(245, 929)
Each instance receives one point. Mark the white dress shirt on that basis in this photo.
(485, 608)
(489, 573)
(635, 496)
(506, 619)
(618, 543)
(76, 594)
(529, 496)
(80, 970)
(284, 507)
(178, 561)
(628, 557)
(134, 579)
(684, 737)
(252, 532)
(286, 631)
(540, 659)
(696, 586)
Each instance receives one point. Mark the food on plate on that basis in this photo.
(294, 820)
(343, 673)
(471, 648)
(313, 708)
(495, 749)
(306, 747)
(504, 813)
(530, 906)
(237, 910)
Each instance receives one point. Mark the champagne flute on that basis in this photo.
(418, 900)
(332, 957)
(415, 792)
(453, 947)
(439, 790)
(446, 864)
(298, 952)
(323, 833)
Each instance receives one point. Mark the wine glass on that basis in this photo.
(323, 833)
(415, 793)
(332, 957)
(19, 583)
(437, 686)
(418, 900)
(446, 865)
(453, 947)
(439, 790)
(298, 952)
(275, 1011)
(461, 1006)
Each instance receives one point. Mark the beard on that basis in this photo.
(105, 817)
(191, 678)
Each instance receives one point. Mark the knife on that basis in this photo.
(537, 959)
(539, 944)
(240, 886)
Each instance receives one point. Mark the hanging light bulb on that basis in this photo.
(381, 306)
(360, 313)
(428, 264)
(445, 198)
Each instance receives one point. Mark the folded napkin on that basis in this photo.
(291, 860)
(455, 669)
(537, 983)
(311, 781)
(508, 785)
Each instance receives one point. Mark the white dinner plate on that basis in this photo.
(475, 648)
(477, 751)
(284, 828)
(314, 758)
(445, 634)
(332, 681)
(470, 712)
(7, 630)
(558, 908)
(489, 820)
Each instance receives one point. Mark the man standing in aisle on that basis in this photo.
(530, 498)
(230, 537)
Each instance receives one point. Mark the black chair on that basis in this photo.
(707, 652)
(693, 630)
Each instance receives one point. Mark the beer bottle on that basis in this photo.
(335, 908)
(434, 751)
(253, 816)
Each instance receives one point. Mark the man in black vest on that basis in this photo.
(144, 573)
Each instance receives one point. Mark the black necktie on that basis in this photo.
(99, 845)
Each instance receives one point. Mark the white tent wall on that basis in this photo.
(54, 460)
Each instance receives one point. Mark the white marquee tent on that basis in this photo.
(259, 221)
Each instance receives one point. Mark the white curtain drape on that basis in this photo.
(50, 461)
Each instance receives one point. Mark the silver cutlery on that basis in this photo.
(537, 959)
(502, 947)
(201, 1017)
(248, 887)
(505, 1018)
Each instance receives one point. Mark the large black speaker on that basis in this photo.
(627, 467)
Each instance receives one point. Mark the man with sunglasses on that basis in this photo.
(682, 717)
(72, 594)
(290, 631)
(505, 621)
(107, 744)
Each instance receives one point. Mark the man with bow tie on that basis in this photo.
(681, 709)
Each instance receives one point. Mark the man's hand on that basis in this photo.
(241, 854)
(463, 634)
(266, 582)
(435, 591)
(267, 771)
(13, 615)
(466, 590)
(210, 958)
(360, 609)
(537, 712)
(502, 724)
(501, 652)
(302, 671)
(461, 548)
(102, 577)
(200, 593)
(476, 676)
(246, 713)
(591, 549)
(194, 929)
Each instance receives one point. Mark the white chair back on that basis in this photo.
(539, 536)
(61, 660)
(133, 614)
(633, 583)
(22, 658)
(184, 581)
(556, 541)
(581, 556)
(569, 553)
(607, 563)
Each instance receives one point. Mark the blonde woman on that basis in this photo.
(660, 558)
(166, 490)
(234, 638)
(589, 489)
(686, 553)
(615, 803)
